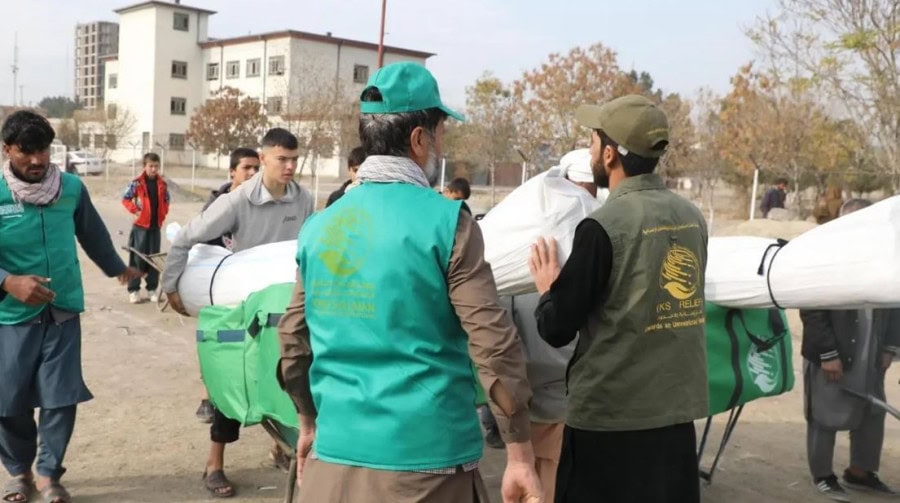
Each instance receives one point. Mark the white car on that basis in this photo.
(79, 161)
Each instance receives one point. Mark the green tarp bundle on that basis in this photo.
(748, 353)
(238, 348)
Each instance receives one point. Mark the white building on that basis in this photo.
(167, 65)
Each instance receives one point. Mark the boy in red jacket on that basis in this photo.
(147, 198)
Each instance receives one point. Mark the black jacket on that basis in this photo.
(339, 193)
(834, 334)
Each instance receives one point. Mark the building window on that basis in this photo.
(178, 106)
(111, 141)
(232, 69)
(145, 141)
(273, 105)
(99, 140)
(276, 65)
(111, 111)
(179, 70)
(212, 71)
(113, 80)
(253, 67)
(360, 74)
(181, 21)
(176, 141)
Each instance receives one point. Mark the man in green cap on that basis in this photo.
(633, 289)
(393, 303)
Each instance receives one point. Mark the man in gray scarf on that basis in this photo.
(42, 212)
(394, 294)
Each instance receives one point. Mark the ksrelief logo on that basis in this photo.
(763, 368)
(680, 273)
(338, 255)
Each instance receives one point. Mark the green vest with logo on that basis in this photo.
(391, 376)
(40, 240)
(640, 361)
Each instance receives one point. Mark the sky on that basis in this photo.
(685, 45)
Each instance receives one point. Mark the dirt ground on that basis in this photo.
(138, 440)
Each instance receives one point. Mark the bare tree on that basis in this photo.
(851, 48)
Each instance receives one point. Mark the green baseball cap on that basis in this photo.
(633, 121)
(405, 87)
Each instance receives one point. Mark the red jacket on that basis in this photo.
(137, 201)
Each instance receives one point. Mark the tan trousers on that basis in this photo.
(332, 483)
(547, 442)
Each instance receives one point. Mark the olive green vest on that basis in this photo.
(641, 357)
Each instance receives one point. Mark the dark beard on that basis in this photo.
(601, 179)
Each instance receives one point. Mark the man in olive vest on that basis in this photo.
(633, 289)
(42, 212)
(395, 296)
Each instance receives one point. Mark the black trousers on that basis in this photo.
(647, 466)
(146, 241)
(224, 430)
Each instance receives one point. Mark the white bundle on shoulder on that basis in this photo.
(548, 205)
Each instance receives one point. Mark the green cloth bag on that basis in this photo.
(748, 356)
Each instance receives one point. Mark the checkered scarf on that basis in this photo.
(42, 193)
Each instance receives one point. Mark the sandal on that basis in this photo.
(18, 489)
(279, 459)
(218, 485)
(55, 493)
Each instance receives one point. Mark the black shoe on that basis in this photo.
(831, 488)
(205, 412)
(493, 439)
(869, 483)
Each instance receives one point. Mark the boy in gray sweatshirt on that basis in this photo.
(268, 208)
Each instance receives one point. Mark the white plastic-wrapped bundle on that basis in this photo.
(216, 276)
(849, 263)
(548, 205)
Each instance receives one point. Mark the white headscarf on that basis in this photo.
(576, 166)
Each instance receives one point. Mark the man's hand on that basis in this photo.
(544, 264)
(28, 289)
(834, 369)
(520, 480)
(130, 274)
(175, 303)
(886, 359)
(304, 444)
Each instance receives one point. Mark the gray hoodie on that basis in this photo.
(250, 214)
(546, 365)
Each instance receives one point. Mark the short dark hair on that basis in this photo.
(388, 134)
(460, 185)
(781, 181)
(241, 153)
(356, 157)
(280, 137)
(632, 164)
(150, 157)
(29, 131)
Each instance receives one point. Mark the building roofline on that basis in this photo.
(314, 37)
(150, 3)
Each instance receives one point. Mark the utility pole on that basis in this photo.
(381, 35)
(15, 67)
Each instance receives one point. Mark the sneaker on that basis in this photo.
(205, 412)
(154, 296)
(869, 483)
(831, 488)
(134, 297)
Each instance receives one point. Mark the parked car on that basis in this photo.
(79, 161)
